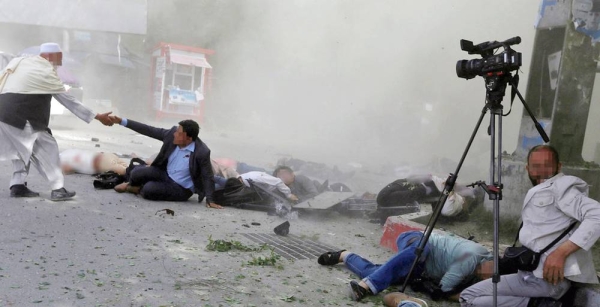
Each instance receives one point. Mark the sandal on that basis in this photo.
(357, 292)
(330, 258)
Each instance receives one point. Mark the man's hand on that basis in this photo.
(293, 197)
(213, 205)
(554, 266)
(104, 118)
(115, 119)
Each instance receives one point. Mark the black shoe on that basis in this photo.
(357, 292)
(61, 194)
(21, 190)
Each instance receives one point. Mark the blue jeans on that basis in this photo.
(219, 182)
(408, 304)
(380, 276)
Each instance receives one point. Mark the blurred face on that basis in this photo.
(485, 270)
(286, 176)
(54, 58)
(541, 166)
(181, 138)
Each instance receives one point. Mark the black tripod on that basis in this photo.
(495, 88)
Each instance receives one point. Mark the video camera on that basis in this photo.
(490, 63)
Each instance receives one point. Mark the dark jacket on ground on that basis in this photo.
(200, 166)
(303, 187)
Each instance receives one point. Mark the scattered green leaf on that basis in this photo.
(288, 299)
(227, 245)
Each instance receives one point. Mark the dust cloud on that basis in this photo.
(342, 81)
(362, 81)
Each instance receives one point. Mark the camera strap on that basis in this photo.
(545, 249)
(514, 83)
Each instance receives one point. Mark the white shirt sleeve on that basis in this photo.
(574, 202)
(269, 180)
(76, 107)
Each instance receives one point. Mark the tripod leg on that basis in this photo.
(447, 189)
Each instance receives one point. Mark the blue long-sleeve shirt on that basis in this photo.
(178, 165)
(452, 260)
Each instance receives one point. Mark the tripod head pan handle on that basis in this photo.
(541, 131)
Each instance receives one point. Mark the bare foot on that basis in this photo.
(343, 256)
(121, 188)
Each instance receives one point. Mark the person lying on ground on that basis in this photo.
(222, 172)
(223, 169)
(300, 185)
(449, 261)
(273, 182)
(239, 167)
(316, 170)
(181, 168)
(88, 162)
(422, 189)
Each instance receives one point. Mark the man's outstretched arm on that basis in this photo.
(81, 111)
(141, 128)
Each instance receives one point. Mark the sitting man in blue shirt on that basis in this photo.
(451, 262)
(181, 168)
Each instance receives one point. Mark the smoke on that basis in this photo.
(340, 81)
(363, 81)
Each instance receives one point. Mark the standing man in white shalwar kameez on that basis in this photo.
(27, 86)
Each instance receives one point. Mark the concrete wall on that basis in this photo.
(516, 184)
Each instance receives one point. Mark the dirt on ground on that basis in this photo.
(108, 249)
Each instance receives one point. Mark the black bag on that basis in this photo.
(429, 287)
(235, 192)
(524, 259)
(134, 163)
(108, 180)
(232, 186)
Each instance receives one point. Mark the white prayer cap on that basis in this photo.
(49, 48)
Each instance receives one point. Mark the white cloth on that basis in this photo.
(30, 75)
(267, 179)
(76, 107)
(548, 209)
(16, 143)
(49, 48)
(27, 146)
(454, 203)
(79, 160)
(35, 75)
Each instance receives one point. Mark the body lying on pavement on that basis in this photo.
(89, 162)
(448, 262)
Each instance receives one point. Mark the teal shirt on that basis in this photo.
(452, 260)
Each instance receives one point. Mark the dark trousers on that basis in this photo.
(400, 193)
(157, 185)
